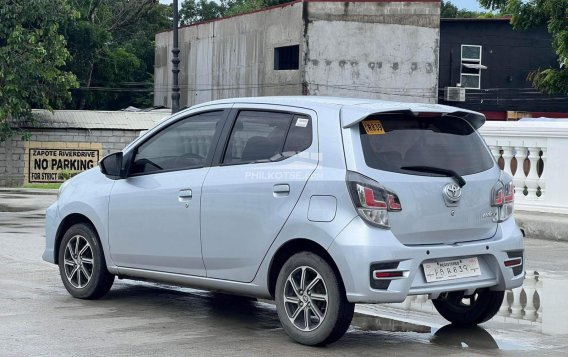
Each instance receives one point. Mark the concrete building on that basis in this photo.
(369, 49)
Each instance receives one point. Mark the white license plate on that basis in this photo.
(451, 269)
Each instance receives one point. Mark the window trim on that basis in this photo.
(131, 154)
(223, 143)
(472, 61)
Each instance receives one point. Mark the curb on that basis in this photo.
(29, 191)
(548, 226)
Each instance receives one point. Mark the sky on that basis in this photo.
(461, 4)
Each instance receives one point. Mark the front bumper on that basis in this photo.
(359, 246)
(52, 221)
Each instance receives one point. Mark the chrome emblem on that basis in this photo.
(452, 194)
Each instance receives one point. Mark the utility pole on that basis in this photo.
(175, 62)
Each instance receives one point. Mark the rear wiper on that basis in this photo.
(437, 170)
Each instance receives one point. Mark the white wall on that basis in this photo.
(373, 50)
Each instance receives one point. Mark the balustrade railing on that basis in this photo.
(520, 305)
(535, 154)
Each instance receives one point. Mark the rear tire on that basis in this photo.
(311, 301)
(82, 264)
(482, 306)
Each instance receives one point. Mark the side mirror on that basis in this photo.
(111, 166)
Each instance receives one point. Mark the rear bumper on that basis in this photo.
(359, 246)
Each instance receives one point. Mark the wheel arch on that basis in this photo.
(292, 247)
(65, 224)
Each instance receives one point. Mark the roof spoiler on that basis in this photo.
(352, 115)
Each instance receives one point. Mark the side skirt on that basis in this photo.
(192, 281)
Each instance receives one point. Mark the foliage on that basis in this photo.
(244, 6)
(451, 11)
(112, 48)
(49, 186)
(32, 53)
(553, 14)
(193, 11)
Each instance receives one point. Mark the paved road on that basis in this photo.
(38, 317)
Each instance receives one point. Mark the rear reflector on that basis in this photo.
(513, 262)
(388, 274)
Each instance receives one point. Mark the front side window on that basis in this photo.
(393, 141)
(183, 145)
(259, 136)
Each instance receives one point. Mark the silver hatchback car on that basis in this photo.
(318, 203)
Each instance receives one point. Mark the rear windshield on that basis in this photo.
(393, 141)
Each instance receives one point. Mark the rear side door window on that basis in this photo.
(262, 136)
(185, 144)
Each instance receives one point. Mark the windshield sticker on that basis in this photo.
(373, 127)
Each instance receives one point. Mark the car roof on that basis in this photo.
(354, 110)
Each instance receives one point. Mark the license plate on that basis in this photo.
(451, 269)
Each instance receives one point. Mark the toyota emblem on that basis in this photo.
(453, 192)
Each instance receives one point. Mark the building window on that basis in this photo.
(471, 66)
(287, 57)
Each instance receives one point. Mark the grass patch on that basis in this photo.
(42, 185)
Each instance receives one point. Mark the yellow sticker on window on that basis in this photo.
(373, 127)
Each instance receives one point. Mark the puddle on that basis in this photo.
(376, 323)
(467, 338)
(464, 337)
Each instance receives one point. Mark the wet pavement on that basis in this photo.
(39, 318)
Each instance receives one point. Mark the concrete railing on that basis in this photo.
(535, 154)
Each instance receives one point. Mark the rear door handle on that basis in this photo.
(281, 190)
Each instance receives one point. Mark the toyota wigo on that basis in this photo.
(318, 203)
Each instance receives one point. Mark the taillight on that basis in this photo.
(503, 197)
(372, 201)
(509, 192)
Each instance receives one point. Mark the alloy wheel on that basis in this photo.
(305, 298)
(78, 261)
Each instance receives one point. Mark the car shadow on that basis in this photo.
(192, 304)
(227, 314)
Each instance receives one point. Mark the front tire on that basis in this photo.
(82, 264)
(311, 301)
(471, 310)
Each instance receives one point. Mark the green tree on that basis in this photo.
(244, 6)
(553, 14)
(32, 53)
(112, 48)
(451, 11)
(193, 11)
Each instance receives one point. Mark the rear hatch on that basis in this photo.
(416, 157)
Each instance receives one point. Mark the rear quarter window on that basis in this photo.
(393, 141)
